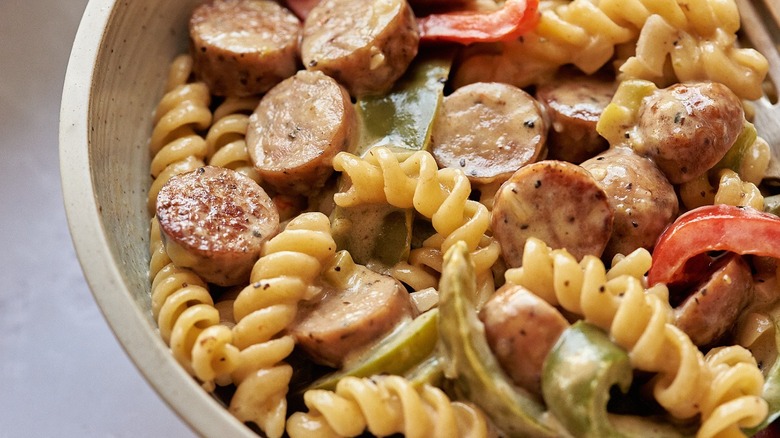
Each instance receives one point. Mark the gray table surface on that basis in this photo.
(62, 372)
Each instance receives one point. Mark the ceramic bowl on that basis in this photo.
(115, 78)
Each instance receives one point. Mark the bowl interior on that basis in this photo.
(115, 78)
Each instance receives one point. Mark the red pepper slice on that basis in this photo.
(741, 230)
(515, 18)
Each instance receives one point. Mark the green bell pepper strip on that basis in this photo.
(771, 391)
(471, 364)
(576, 379)
(376, 235)
(733, 158)
(403, 118)
(398, 353)
(380, 236)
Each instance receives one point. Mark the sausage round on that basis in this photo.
(521, 329)
(687, 128)
(365, 45)
(488, 130)
(642, 199)
(574, 105)
(557, 202)
(710, 311)
(347, 319)
(243, 47)
(297, 129)
(214, 221)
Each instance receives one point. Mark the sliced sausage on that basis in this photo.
(488, 130)
(521, 329)
(214, 221)
(297, 129)
(574, 105)
(243, 47)
(642, 199)
(352, 316)
(687, 128)
(365, 45)
(709, 312)
(557, 202)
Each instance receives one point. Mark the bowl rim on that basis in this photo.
(199, 410)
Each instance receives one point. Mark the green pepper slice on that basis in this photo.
(376, 235)
(471, 364)
(733, 158)
(771, 392)
(398, 353)
(403, 118)
(577, 376)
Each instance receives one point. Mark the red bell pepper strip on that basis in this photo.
(741, 230)
(515, 18)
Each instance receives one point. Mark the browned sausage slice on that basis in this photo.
(350, 317)
(687, 128)
(643, 200)
(574, 105)
(521, 329)
(297, 129)
(214, 221)
(714, 307)
(365, 45)
(488, 130)
(557, 202)
(243, 47)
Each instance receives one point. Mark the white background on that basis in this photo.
(62, 372)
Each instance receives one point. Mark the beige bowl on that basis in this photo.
(115, 78)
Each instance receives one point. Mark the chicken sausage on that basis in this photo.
(521, 329)
(687, 128)
(297, 129)
(574, 105)
(365, 45)
(708, 313)
(488, 130)
(350, 317)
(214, 221)
(557, 202)
(642, 199)
(243, 47)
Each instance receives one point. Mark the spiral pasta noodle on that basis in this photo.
(187, 319)
(639, 320)
(733, 400)
(283, 275)
(698, 54)
(385, 405)
(700, 39)
(175, 146)
(415, 181)
(226, 138)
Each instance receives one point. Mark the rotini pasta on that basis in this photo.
(415, 181)
(385, 405)
(175, 146)
(188, 321)
(699, 56)
(699, 39)
(284, 275)
(226, 139)
(733, 400)
(639, 320)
